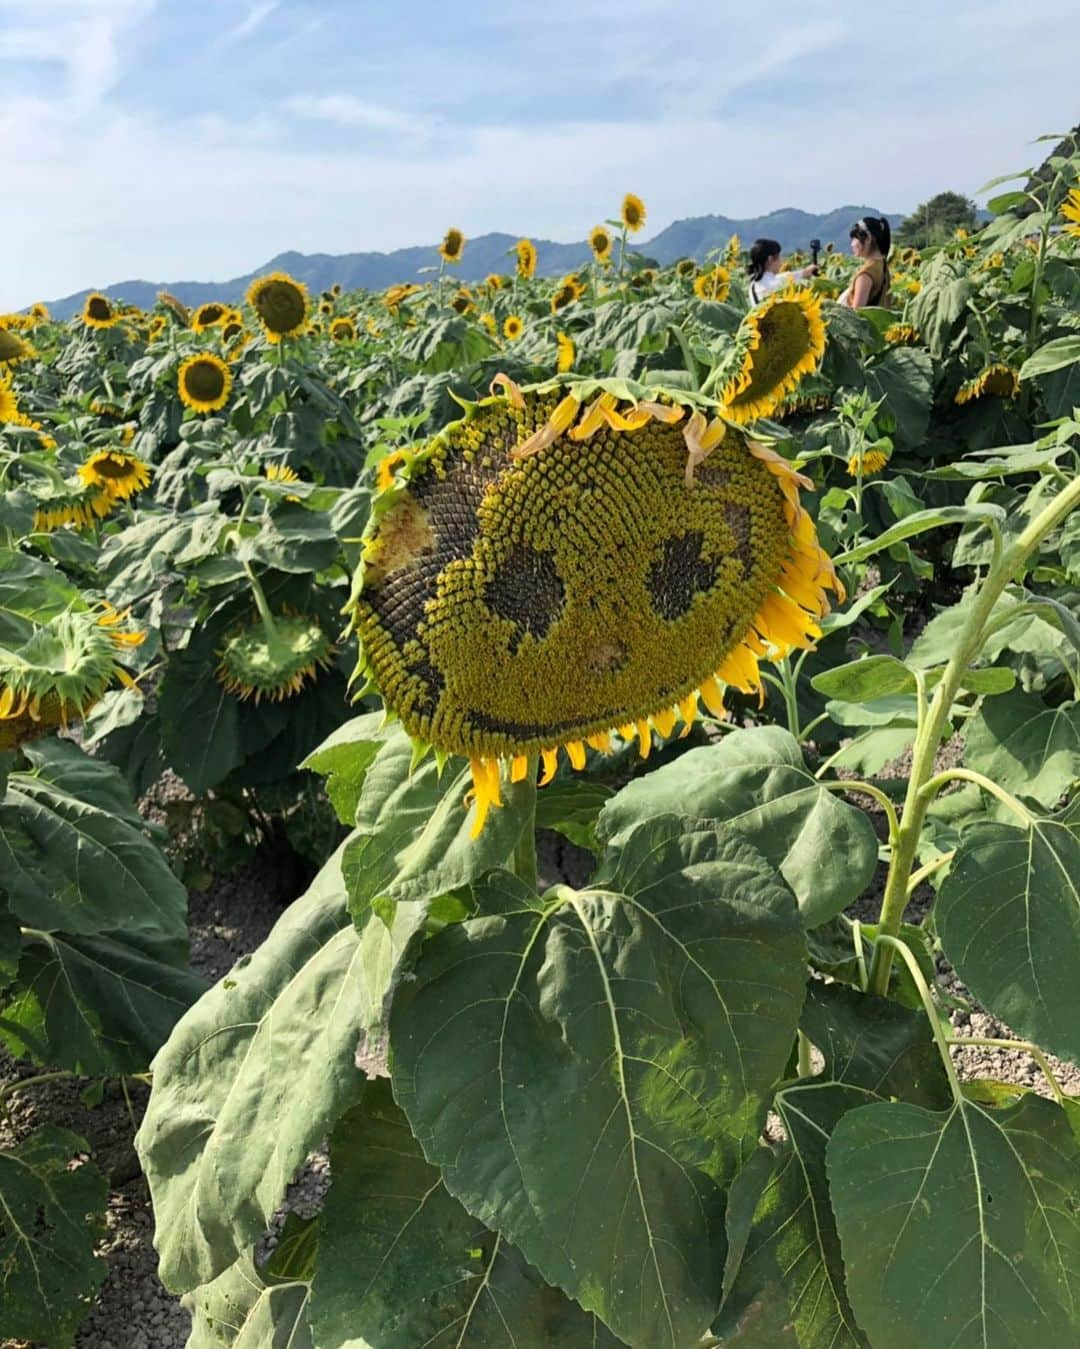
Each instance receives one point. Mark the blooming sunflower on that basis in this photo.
(1070, 209)
(685, 267)
(9, 404)
(542, 574)
(996, 380)
(343, 330)
(633, 212)
(600, 243)
(778, 342)
(715, 284)
(203, 382)
(493, 281)
(901, 335)
(733, 251)
(335, 289)
(513, 327)
(60, 671)
(273, 656)
(326, 308)
(867, 463)
(488, 322)
(98, 312)
(568, 290)
(208, 315)
(281, 304)
(452, 246)
(526, 259)
(397, 293)
(158, 325)
(40, 313)
(118, 474)
(566, 353)
(462, 302)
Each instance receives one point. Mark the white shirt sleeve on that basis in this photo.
(771, 281)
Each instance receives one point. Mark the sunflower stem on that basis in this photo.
(259, 595)
(932, 725)
(524, 859)
(806, 1062)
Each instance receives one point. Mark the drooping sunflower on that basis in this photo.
(280, 473)
(12, 347)
(996, 380)
(543, 574)
(177, 308)
(343, 330)
(208, 315)
(733, 251)
(600, 243)
(901, 335)
(281, 304)
(568, 290)
(633, 212)
(1070, 209)
(526, 259)
(565, 353)
(452, 246)
(715, 284)
(71, 503)
(40, 313)
(273, 656)
(118, 474)
(513, 327)
(462, 301)
(98, 311)
(493, 282)
(394, 296)
(203, 382)
(60, 671)
(778, 342)
(488, 321)
(158, 325)
(685, 267)
(335, 289)
(867, 463)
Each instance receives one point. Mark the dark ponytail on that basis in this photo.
(875, 227)
(761, 250)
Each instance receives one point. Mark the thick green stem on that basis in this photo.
(524, 860)
(806, 1062)
(931, 726)
(259, 596)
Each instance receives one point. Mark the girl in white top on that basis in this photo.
(765, 273)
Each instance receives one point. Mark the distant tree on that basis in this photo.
(937, 220)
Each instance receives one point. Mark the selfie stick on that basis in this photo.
(815, 249)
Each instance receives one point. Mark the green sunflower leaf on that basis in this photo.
(401, 1263)
(1025, 746)
(959, 1227)
(51, 1215)
(624, 1022)
(756, 782)
(244, 1309)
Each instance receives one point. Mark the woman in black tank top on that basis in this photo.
(871, 239)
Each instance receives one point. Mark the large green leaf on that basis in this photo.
(413, 837)
(344, 759)
(942, 301)
(960, 1227)
(1009, 918)
(243, 1309)
(904, 379)
(571, 806)
(1055, 355)
(1025, 746)
(919, 523)
(250, 1081)
(756, 782)
(51, 1214)
(63, 764)
(67, 865)
(402, 1264)
(94, 1004)
(788, 1291)
(200, 726)
(875, 1043)
(591, 1068)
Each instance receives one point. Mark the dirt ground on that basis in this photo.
(228, 920)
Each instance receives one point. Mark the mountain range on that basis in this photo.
(690, 238)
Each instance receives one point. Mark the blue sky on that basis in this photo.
(194, 139)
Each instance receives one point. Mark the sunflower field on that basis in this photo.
(677, 704)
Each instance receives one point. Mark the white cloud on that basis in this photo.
(348, 110)
(256, 16)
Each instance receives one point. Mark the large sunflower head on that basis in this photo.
(778, 343)
(513, 327)
(633, 212)
(208, 315)
(60, 672)
(281, 304)
(526, 258)
(273, 661)
(600, 243)
(203, 382)
(452, 246)
(343, 330)
(71, 502)
(547, 571)
(994, 381)
(99, 312)
(119, 474)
